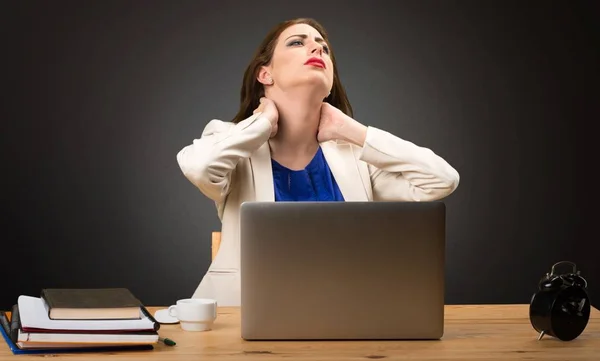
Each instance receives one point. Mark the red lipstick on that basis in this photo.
(315, 62)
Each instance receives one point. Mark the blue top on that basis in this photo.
(313, 183)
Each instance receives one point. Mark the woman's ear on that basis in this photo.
(264, 76)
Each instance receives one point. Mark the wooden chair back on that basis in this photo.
(215, 244)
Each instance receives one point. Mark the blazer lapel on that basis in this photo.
(341, 161)
(263, 174)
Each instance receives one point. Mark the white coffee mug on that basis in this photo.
(195, 314)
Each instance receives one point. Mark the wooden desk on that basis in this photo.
(472, 332)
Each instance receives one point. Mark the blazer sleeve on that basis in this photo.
(402, 171)
(210, 161)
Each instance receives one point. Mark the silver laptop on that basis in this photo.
(342, 270)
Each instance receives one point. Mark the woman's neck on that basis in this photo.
(299, 116)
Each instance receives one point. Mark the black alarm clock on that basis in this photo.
(561, 306)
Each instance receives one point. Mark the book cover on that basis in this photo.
(91, 303)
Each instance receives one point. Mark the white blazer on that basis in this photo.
(231, 164)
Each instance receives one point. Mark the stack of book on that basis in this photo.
(77, 320)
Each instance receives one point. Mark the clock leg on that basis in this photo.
(541, 335)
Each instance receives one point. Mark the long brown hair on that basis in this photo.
(252, 90)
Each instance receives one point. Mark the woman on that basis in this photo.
(294, 139)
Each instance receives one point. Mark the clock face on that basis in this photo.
(570, 312)
(574, 306)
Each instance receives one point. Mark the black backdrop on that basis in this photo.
(100, 96)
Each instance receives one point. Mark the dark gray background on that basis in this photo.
(101, 95)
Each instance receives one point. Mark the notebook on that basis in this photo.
(13, 343)
(34, 316)
(91, 303)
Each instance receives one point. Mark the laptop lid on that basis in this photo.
(342, 270)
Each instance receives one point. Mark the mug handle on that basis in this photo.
(172, 308)
(215, 308)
